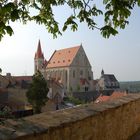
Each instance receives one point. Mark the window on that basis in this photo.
(66, 76)
(60, 73)
(81, 72)
(73, 73)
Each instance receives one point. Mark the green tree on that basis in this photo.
(115, 14)
(0, 70)
(37, 92)
(78, 87)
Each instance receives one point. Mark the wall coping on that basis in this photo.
(44, 122)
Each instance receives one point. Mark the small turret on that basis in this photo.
(102, 73)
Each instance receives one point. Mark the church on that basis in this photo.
(70, 67)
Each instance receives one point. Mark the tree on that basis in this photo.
(115, 14)
(0, 70)
(37, 92)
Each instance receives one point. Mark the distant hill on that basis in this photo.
(131, 86)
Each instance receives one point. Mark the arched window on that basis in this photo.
(81, 72)
(66, 76)
(73, 73)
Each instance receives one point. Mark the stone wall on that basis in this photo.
(114, 120)
(17, 94)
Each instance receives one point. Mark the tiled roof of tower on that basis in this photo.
(63, 58)
(39, 53)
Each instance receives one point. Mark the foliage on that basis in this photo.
(37, 92)
(0, 70)
(115, 14)
(71, 89)
(73, 100)
(78, 87)
(6, 113)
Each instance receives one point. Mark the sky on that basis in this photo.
(119, 55)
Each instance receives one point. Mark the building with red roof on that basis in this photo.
(69, 66)
(114, 95)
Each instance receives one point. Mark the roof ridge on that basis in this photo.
(63, 57)
(69, 48)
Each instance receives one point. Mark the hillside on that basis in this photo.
(131, 86)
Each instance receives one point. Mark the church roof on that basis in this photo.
(109, 78)
(63, 57)
(39, 53)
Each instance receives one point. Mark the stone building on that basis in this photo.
(108, 82)
(3, 81)
(69, 67)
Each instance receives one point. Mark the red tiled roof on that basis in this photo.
(102, 98)
(20, 78)
(39, 53)
(62, 58)
(117, 94)
(114, 95)
(83, 81)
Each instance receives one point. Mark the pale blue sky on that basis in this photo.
(119, 55)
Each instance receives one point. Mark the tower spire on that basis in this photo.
(39, 53)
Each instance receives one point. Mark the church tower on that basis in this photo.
(39, 59)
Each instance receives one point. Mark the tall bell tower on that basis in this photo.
(39, 61)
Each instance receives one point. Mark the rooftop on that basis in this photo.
(63, 57)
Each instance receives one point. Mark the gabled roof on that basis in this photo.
(109, 78)
(20, 78)
(63, 57)
(39, 53)
(114, 95)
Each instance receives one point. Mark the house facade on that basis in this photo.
(3, 81)
(107, 82)
(69, 67)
